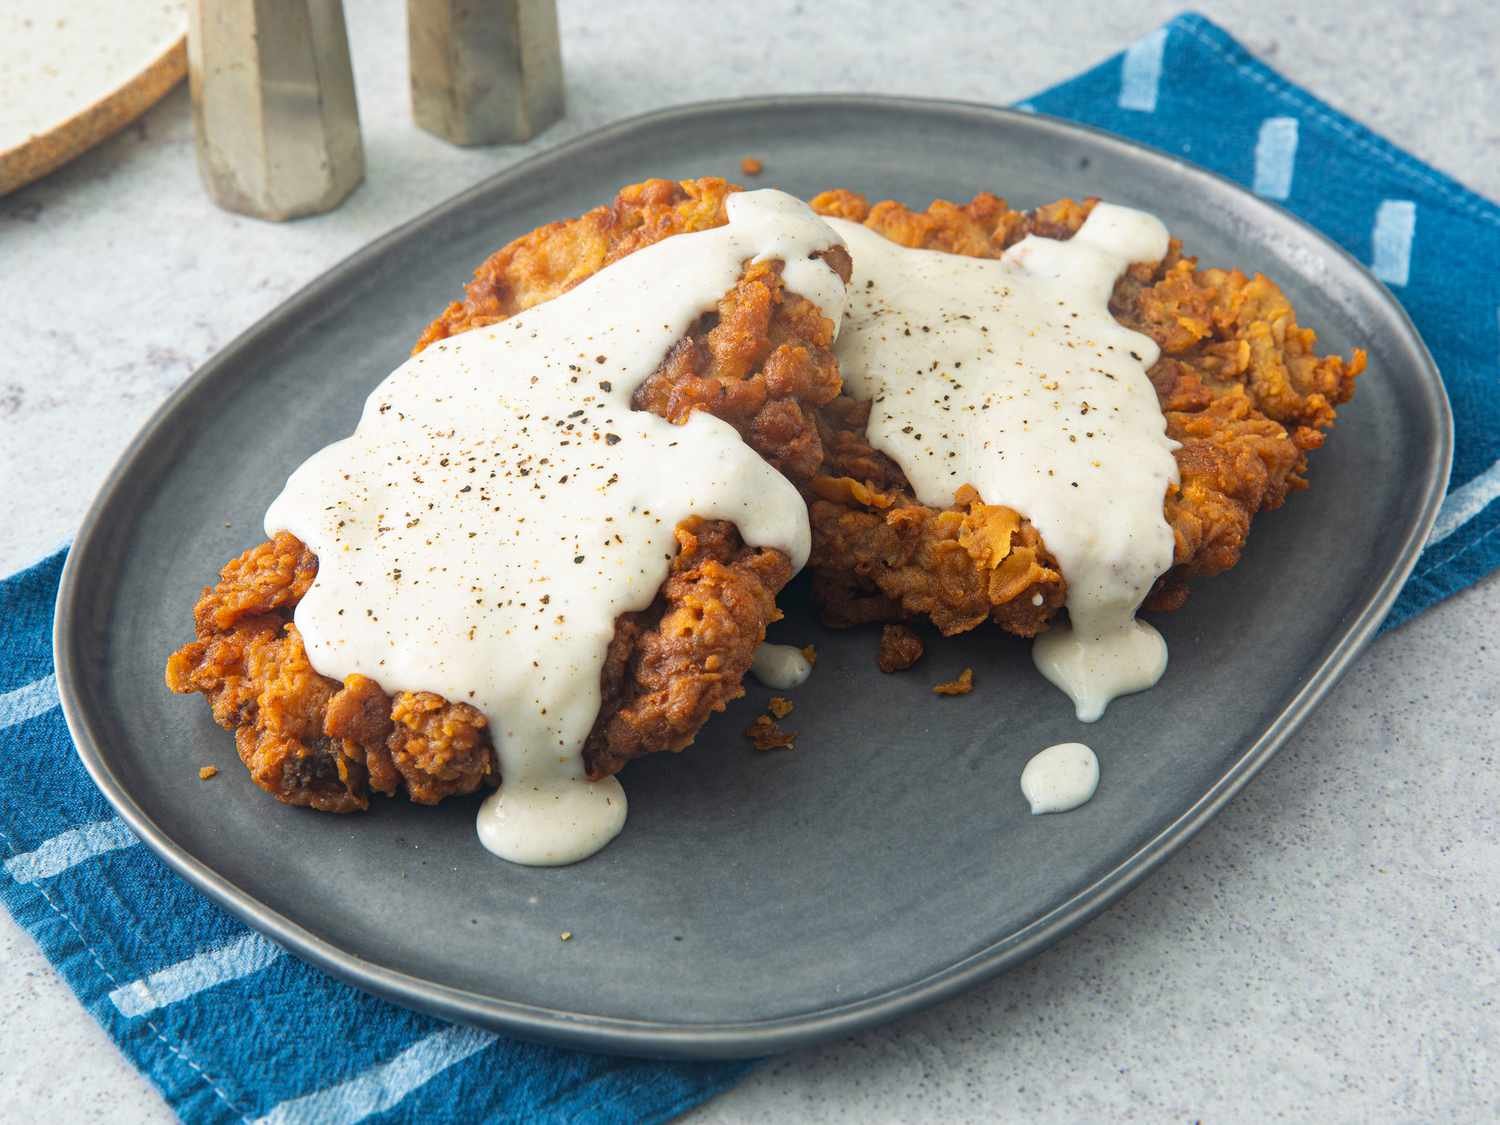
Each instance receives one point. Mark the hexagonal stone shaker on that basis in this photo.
(274, 112)
(484, 71)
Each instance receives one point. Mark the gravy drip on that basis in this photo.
(782, 667)
(1060, 778)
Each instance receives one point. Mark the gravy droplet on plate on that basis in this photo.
(780, 666)
(1011, 375)
(500, 505)
(1060, 778)
(552, 825)
(1092, 670)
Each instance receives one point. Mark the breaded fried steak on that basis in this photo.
(761, 361)
(1240, 384)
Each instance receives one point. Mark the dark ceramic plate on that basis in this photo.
(755, 902)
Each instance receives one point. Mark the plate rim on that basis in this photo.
(749, 1038)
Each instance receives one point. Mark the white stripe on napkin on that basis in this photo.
(1141, 73)
(1463, 504)
(239, 958)
(385, 1085)
(1275, 157)
(1390, 241)
(36, 698)
(67, 849)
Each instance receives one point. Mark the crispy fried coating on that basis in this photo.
(1240, 383)
(761, 360)
(687, 657)
(305, 738)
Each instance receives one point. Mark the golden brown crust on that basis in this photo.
(305, 738)
(688, 659)
(1240, 383)
(554, 258)
(761, 361)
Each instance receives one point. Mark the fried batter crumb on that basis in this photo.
(752, 166)
(763, 362)
(566, 935)
(900, 648)
(780, 706)
(809, 654)
(207, 772)
(961, 686)
(764, 734)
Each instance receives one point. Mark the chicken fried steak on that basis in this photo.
(1240, 384)
(761, 361)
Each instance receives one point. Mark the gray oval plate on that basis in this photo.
(755, 902)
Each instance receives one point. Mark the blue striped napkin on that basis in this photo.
(230, 1028)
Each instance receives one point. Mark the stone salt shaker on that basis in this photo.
(273, 105)
(484, 71)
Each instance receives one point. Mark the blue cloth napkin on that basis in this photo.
(229, 1027)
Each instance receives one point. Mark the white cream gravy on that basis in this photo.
(500, 505)
(1011, 375)
(1060, 778)
(780, 666)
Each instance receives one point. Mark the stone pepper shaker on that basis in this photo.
(274, 113)
(484, 71)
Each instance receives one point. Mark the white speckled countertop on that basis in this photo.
(1325, 949)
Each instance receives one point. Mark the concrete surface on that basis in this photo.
(1325, 949)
